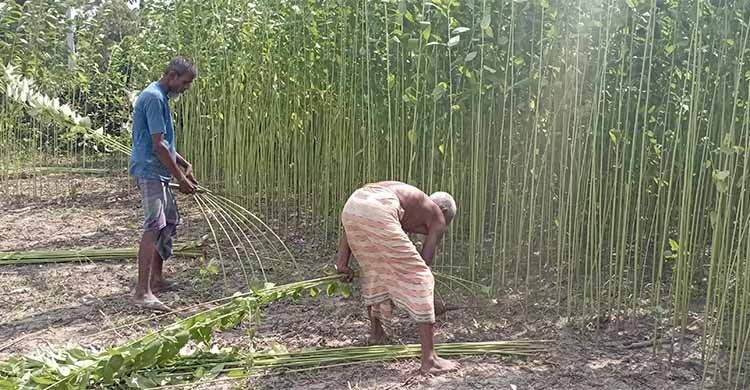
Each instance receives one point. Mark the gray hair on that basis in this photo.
(446, 203)
(181, 65)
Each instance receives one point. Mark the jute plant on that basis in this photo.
(225, 217)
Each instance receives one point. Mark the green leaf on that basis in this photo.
(518, 60)
(147, 358)
(674, 245)
(441, 148)
(669, 49)
(237, 373)
(331, 289)
(409, 95)
(170, 348)
(412, 136)
(613, 136)
(346, 290)
(42, 380)
(454, 40)
(113, 365)
(439, 91)
(490, 32)
(631, 3)
(84, 363)
(470, 56)
(485, 23)
(313, 291)
(426, 33)
(412, 43)
(214, 371)
(139, 381)
(721, 175)
(486, 290)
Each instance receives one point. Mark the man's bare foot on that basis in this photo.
(149, 302)
(436, 365)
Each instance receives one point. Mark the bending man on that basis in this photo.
(376, 219)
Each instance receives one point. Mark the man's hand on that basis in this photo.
(186, 186)
(347, 273)
(189, 173)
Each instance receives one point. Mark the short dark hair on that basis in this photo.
(181, 65)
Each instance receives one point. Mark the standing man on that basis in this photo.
(376, 219)
(154, 163)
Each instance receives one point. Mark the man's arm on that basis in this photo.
(342, 259)
(429, 247)
(161, 150)
(181, 161)
(188, 167)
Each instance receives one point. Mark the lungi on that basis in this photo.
(392, 270)
(159, 213)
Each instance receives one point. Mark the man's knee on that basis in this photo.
(151, 235)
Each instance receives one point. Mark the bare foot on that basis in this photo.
(436, 365)
(149, 302)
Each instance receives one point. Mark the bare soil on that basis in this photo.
(57, 305)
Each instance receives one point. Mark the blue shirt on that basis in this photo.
(151, 115)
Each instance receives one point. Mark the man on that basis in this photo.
(376, 219)
(154, 163)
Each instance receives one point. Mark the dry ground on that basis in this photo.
(54, 305)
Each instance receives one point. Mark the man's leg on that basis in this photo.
(157, 278)
(146, 253)
(153, 200)
(431, 362)
(377, 334)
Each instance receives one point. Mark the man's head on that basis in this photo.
(446, 203)
(179, 75)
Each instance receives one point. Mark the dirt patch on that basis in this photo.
(53, 305)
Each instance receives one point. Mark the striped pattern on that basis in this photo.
(392, 269)
(160, 213)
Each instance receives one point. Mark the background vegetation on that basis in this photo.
(598, 149)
